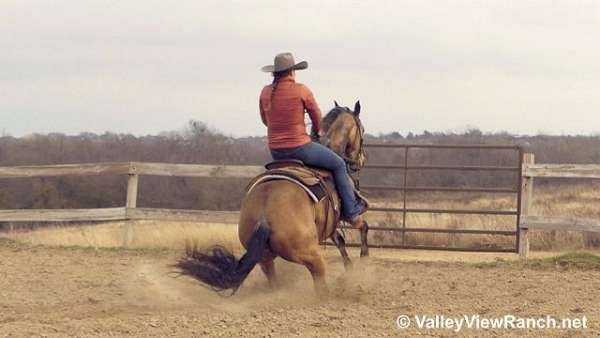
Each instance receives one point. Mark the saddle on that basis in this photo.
(316, 182)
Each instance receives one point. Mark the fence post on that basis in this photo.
(130, 203)
(526, 202)
(132, 190)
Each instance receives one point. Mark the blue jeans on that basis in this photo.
(315, 154)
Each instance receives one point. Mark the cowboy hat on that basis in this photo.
(283, 62)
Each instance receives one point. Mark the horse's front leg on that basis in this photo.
(340, 243)
(364, 246)
(363, 226)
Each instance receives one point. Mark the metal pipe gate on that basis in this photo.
(405, 187)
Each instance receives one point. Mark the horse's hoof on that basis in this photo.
(364, 253)
(348, 265)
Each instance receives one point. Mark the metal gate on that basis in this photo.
(406, 187)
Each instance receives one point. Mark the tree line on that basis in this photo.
(196, 143)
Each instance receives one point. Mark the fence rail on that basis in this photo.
(562, 223)
(562, 170)
(86, 169)
(133, 170)
(63, 215)
(117, 214)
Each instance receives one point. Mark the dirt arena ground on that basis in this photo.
(78, 292)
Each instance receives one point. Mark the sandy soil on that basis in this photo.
(58, 292)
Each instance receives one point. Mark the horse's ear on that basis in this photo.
(357, 108)
(335, 103)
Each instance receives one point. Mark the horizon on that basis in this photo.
(216, 131)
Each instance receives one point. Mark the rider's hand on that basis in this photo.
(314, 135)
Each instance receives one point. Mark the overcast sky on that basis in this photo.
(146, 66)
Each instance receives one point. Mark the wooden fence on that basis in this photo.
(134, 170)
(532, 170)
(129, 211)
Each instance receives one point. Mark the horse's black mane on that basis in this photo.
(333, 114)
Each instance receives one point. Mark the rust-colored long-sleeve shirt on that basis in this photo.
(283, 113)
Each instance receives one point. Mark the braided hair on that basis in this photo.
(278, 76)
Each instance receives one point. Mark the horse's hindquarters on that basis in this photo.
(287, 210)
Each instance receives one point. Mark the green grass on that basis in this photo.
(582, 260)
(7, 242)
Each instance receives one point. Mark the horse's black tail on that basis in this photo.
(219, 268)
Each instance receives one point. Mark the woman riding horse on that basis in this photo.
(277, 217)
(282, 108)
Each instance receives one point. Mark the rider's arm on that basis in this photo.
(261, 102)
(311, 106)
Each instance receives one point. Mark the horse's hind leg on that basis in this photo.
(315, 263)
(268, 267)
(340, 243)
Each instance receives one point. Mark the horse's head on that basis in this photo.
(344, 133)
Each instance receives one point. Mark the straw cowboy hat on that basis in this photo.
(283, 62)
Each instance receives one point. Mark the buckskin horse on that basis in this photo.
(279, 219)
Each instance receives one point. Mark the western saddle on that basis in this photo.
(318, 183)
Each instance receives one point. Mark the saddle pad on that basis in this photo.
(318, 190)
(315, 191)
